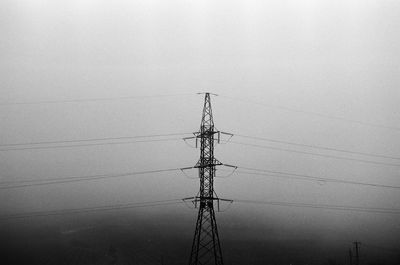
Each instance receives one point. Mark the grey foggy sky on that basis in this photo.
(340, 58)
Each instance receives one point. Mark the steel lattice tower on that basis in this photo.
(206, 248)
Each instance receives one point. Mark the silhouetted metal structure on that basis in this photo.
(350, 257)
(206, 248)
(357, 246)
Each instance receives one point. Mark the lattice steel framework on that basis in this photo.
(206, 248)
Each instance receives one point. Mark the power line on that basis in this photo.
(90, 209)
(85, 145)
(357, 248)
(324, 206)
(317, 147)
(316, 154)
(395, 250)
(178, 201)
(316, 114)
(50, 181)
(91, 99)
(272, 173)
(93, 139)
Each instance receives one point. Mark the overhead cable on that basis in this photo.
(287, 175)
(90, 209)
(93, 139)
(63, 180)
(317, 147)
(317, 154)
(324, 206)
(316, 114)
(83, 100)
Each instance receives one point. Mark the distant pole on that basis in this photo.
(350, 257)
(357, 244)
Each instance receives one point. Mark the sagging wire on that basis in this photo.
(187, 138)
(231, 172)
(224, 200)
(193, 201)
(186, 175)
(227, 208)
(226, 141)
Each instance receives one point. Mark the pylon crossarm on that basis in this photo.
(226, 200)
(227, 165)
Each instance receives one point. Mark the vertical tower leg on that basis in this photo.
(206, 248)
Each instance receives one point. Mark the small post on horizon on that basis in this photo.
(357, 244)
(350, 257)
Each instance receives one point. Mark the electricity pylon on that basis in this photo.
(206, 248)
(357, 247)
(350, 257)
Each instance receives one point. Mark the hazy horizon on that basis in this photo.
(301, 74)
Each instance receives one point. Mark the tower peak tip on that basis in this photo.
(202, 93)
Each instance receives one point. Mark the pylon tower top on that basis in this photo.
(207, 121)
(206, 248)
